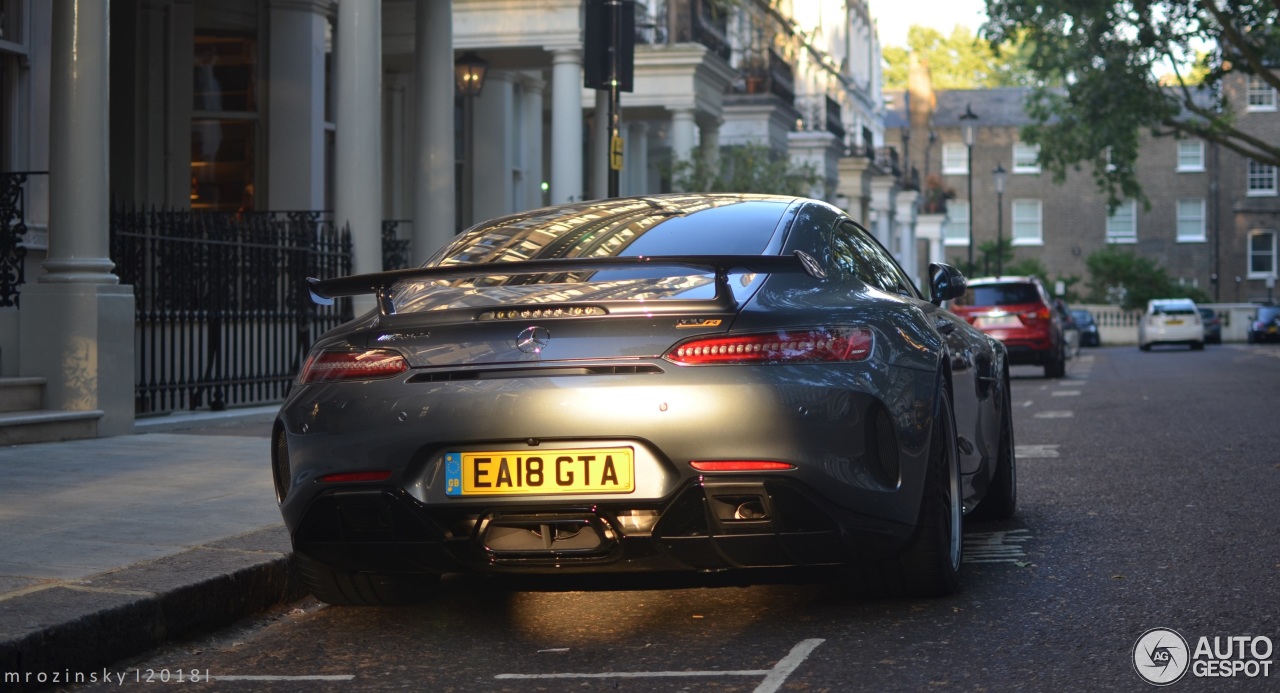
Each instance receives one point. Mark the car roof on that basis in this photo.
(1171, 302)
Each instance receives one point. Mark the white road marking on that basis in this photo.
(773, 678)
(1028, 403)
(996, 547)
(1067, 393)
(1036, 451)
(1054, 414)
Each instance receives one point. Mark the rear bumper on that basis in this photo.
(386, 530)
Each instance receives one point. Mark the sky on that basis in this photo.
(894, 17)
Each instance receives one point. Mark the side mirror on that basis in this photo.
(945, 283)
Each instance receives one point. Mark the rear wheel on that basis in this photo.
(930, 564)
(1002, 496)
(362, 589)
(1197, 346)
(1058, 366)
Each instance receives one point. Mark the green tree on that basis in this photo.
(748, 168)
(1121, 277)
(958, 61)
(1107, 58)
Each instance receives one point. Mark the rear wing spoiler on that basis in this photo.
(323, 291)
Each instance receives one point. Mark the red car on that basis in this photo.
(1018, 312)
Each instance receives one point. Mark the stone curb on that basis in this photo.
(86, 625)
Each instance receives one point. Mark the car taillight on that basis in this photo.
(1031, 317)
(796, 346)
(332, 366)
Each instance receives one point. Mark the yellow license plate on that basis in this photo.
(1173, 322)
(539, 472)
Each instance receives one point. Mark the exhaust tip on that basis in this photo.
(750, 510)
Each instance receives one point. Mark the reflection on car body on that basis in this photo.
(719, 382)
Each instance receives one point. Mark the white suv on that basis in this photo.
(1171, 321)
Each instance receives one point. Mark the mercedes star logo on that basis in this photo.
(532, 340)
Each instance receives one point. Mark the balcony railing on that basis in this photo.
(684, 21)
(819, 112)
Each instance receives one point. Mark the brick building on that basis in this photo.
(1213, 217)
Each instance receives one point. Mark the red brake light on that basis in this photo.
(814, 345)
(331, 366)
(348, 477)
(1033, 315)
(740, 466)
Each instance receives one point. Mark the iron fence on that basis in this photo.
(13, 227)
(223, 316)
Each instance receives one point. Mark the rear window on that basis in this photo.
(1173, 309)
(700, 225)
(1268, 314)
(1013, 293)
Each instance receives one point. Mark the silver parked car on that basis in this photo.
(667, 383)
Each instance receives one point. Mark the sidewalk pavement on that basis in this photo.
(112, 546)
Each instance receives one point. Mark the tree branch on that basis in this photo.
(1247, 48)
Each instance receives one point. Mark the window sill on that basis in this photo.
(1122, 241)
(1260, 193)
(1026, 241)
(1193, 239)
(1191, 169)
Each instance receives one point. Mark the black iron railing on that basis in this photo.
(13, 228)
(685, 21)
(223, 314)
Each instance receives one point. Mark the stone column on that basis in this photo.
(434, 212)
(76, 322)
(357, 198)
(906, 233)
(566, 126)
(636, 165)
(709, 143)
(881, 208)
(532, 123)
(295, 105)
(683, 134)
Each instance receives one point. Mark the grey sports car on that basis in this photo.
(665, 383)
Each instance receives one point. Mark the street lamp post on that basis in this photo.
(999, 174)
(469, 73)
(967, 128)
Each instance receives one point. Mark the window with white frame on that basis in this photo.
(1028, 227)
(956, 231)
(1122, 224)
(1261, 96)
(1191, 220)
(1262, 254)
(955, 158)
(1190, 155)
(1262, 179)
(1026, 158)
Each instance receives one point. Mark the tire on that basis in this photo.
(1197, 346)
(929, 566)
(362, 589)
(1058, 367)
(1145, 347)
(1001, 499)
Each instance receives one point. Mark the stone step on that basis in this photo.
(21, 394)
(45, 426)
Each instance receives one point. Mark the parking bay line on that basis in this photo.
(773, 678)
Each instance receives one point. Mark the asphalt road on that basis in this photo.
(1149, 498)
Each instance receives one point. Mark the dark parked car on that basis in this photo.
(1017, 311)
(667, 383)
(1212, 326)
(1266, 325)
(1088, 327)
